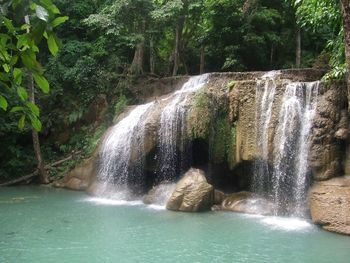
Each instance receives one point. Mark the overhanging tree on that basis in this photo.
(24, 24)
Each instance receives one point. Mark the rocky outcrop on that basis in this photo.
(219, 197)
(81, 176)
(96, 111)
(329, 133)
(192, 193)
(246, 202)
(330, 204)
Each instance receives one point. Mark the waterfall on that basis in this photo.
(174, 151)
(116, 153)
(265, 94)
(121, 156)
(291, 147)
(282, 172)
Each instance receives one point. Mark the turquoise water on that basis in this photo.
(54, 225)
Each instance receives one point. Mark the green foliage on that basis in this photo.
(324, 18)
(98, 46)
(120, 105)
(23, 25)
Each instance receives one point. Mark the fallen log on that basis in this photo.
(36, 172)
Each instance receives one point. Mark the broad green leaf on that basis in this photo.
(41, 82)
(36, 124)
(4, 55)
(51, 42)
(35, 48)
(6, 68)
(59, 20)
(8, 24)
(14, 60)
(29, 60)
(22, 93)
(17, 75)
(33, 6)
(22, 40)
(42, 13)
(4, 38)
(3, 103)
(34, 109)
(50, 6)
(21, 122)
(25, 26)
(16, 109)
(4, 77)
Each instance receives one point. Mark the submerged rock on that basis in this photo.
(246, 202)
(192, 193)
(330, 204)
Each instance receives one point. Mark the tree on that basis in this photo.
(126, 22)
(24, 24)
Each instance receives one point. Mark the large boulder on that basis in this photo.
(330, 204)
(246, 202)
(81, 176)
(192, 193)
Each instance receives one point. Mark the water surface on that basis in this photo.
(39, 224)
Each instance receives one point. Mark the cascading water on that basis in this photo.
(122, 151)
(174, 151)
(265, 94)
(115, 169)
(291, 147)
(283, 176)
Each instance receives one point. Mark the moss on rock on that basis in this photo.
(200, 117)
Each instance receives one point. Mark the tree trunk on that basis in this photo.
(178, 37)
(345, 4)
(44, 179)
(298, 48)
(151, 56)
(202, 60)
(136, 67)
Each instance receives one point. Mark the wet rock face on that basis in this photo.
(246, 202)
(329, 133)
(330, 204)
(192, 193)
(81, 176)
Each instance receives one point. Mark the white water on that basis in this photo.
(121, 156)
(283, 178)
(173, 149)
(288, 224)
(265, 94)
(116, 152)
(291, 146)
